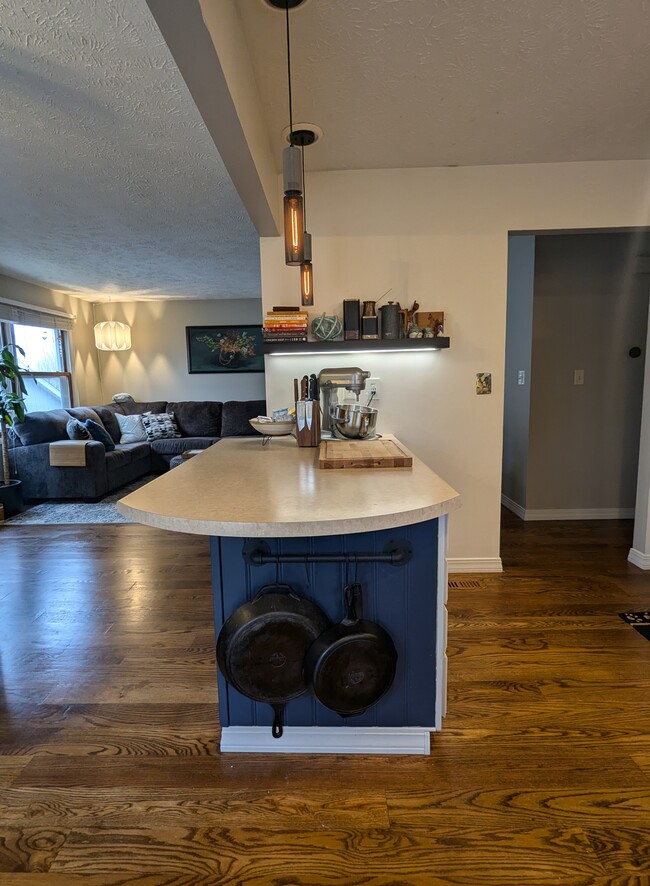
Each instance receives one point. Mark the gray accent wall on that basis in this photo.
(590, 309)
(519, 335)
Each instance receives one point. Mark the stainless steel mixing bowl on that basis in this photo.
(354, 421)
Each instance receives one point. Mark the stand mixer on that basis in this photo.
(330, 381)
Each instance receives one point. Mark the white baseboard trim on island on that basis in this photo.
(327, 740)
(474, 564)
(638, 558)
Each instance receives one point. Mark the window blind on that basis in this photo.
(29, 315)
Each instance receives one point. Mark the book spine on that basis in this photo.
(281, 338)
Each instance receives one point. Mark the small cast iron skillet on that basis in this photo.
(261, 647)
(351, 665)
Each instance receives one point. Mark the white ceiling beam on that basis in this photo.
(207, 42)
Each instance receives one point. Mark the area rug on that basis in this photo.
(62, 512)
(640, 621)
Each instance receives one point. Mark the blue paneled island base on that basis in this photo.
(404, 599)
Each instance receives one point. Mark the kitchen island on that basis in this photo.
(273, 515)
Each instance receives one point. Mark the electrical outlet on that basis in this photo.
(578, 376)
(521, 377)
(373, 386)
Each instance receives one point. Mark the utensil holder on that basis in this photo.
(308, 436)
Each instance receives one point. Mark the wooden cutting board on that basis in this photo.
(363, 454)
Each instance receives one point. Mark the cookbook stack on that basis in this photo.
(285, 324)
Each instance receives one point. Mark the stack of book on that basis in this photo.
(285, 324)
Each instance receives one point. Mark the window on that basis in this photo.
(47, 366)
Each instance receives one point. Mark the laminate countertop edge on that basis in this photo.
(237, 488)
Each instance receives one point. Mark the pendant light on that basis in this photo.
(112, 336)
(294, 225)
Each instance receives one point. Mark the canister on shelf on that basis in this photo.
(390, 320)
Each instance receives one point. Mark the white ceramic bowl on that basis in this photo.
(274, 428)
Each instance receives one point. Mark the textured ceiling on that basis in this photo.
(110, 181)
(409, 83)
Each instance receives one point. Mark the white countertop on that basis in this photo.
(240, 488)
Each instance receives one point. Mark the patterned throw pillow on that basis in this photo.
(160, 426)
(98, 432)
(77, 431)
(131, 428)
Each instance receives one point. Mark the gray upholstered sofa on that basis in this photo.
(201, 423)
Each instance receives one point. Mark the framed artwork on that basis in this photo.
(224, 349)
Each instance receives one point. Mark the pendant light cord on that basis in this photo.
(289, 74)
(304, 189)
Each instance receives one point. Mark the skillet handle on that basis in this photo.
(277, 729)
(269, 589)
(351, 594)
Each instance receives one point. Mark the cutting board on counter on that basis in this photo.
(363, 454)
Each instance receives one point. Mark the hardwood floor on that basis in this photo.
(109, 765)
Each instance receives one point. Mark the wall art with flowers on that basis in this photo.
(224, 349)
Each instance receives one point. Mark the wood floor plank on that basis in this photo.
(125, 807)
(258, 856)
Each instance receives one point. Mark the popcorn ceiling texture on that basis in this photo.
(110, 180)
(417, 83)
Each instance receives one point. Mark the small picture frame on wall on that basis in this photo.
(224, 349)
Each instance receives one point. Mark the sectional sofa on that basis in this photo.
(200, 423)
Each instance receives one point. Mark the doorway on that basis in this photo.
(577, 318)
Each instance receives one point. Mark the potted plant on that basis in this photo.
(12, 410)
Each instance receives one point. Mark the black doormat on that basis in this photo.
(640, 621)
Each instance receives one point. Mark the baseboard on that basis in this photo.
(474, 564)
(326, 740)
(513, 506)
(580, 514)
(566, 513)
(638, 558)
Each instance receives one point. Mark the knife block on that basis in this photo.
(309, 436)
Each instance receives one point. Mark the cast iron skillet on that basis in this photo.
(352, 664)
(261, 647)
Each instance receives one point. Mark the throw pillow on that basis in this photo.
(99, 433)
(131, 428)
(161, 426)
(77, 431)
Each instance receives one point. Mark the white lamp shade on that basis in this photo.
(112, 336)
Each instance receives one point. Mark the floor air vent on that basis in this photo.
(464, 583)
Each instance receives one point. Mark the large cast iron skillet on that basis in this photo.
(261, 647)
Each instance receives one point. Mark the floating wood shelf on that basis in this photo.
(333, 347)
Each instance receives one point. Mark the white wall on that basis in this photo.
(85, 366)
(590, 308)
(519, 339)
(156, 366)
(441, 236)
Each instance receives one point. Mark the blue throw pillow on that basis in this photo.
(97, 432)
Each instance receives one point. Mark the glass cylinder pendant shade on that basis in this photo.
(306, 284)
(294, 224)
(112, 336)
(307, 275)
(294, 249)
